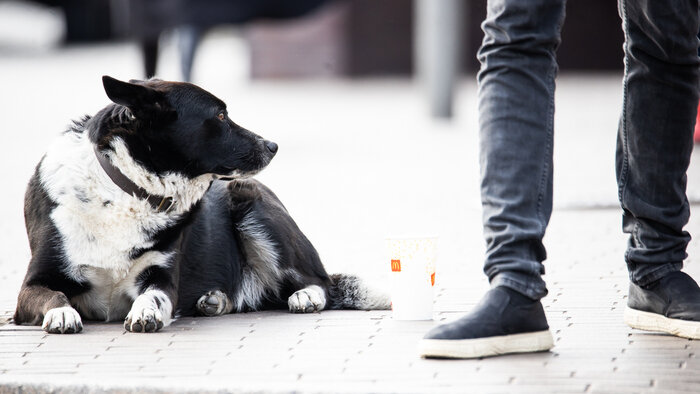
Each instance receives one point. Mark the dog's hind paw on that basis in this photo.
(63, 320)
(308, 299)
(214, 303)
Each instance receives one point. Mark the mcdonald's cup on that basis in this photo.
(412, 264)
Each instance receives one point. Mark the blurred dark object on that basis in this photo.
(591, 36)
(350, 38)
(311, 46)
(376, 38)
(86, 20)
(347, 38)
(372, 30)
(146, 20)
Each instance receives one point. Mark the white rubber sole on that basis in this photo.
(654, 322)
(484, 347)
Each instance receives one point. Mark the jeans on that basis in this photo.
(516, 112)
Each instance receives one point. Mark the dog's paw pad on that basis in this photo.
(63, 320)
(143, 320)
(214, 303)
(309, 299)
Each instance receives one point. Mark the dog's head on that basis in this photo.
(177, 127)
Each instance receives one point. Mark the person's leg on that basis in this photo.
(516, 111)
(516, 121)
(655, 140)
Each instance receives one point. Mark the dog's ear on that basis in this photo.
(140, 99)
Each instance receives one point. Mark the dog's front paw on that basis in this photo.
(143, 320)
(214, 303)
(63, 320)
(308, 299)
(150, 312)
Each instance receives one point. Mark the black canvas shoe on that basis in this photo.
(503, 322)
(670, 305)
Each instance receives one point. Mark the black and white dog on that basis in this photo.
(146, 211)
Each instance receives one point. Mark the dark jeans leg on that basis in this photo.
(516, 112)
(655, 136)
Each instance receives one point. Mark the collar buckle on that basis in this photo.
(165, 204)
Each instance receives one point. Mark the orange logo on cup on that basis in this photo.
(432, 279)
(396, 265)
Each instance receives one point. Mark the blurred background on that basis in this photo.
(372, 102)
(295, 39)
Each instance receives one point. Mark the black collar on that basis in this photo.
(159, 203)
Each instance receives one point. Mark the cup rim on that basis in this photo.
(412, 237)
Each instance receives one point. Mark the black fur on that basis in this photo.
(207, 249)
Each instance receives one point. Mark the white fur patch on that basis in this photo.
(261, 272)
(62, 320)
(352, 292)
(111, 295)
(308, 299)
(101, 225)
(152, 307)
(374, 299)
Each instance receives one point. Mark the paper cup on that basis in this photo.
(412, 263)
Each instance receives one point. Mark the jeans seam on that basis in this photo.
(622, 187)
(551, 81)
(546, 167)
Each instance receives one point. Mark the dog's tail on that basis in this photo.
(350, 292)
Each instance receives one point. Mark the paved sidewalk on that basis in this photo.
(358, 162)
(357, 351)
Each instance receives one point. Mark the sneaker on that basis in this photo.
(505, 321)
(670, 305)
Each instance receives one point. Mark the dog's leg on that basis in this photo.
(37, 304)
(309, 299)
(214, 303)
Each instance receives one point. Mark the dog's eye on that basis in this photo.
(221, 116)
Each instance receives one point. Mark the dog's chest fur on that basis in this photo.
(100, 227)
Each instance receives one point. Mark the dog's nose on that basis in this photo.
(271, 146)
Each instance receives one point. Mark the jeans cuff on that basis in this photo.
(528, 285)
(649, 275)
